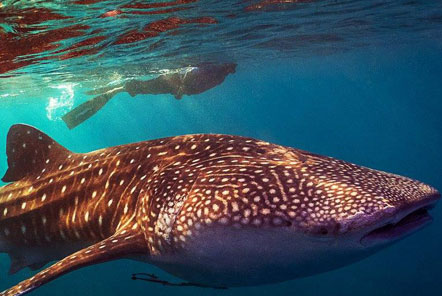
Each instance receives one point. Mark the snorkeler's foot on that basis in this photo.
(84, 111)
(149, 277)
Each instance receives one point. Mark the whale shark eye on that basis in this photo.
(323, 231)
(288, 223)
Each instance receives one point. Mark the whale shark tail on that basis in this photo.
(84, 111)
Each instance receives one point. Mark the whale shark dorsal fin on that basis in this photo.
(28, 151)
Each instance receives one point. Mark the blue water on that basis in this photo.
(379, 106)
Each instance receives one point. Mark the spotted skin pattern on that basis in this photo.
(154, 199)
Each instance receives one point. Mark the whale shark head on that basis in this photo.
(364, 207)
(342, 213)
(336, 200)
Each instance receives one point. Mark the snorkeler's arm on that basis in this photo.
(84, 111)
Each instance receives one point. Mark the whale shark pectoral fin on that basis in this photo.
(117, 246)
(28, 149)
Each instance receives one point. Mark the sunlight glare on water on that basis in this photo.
(58, 106)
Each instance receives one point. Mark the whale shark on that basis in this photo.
(214, 210)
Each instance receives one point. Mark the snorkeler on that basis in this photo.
(187, 81)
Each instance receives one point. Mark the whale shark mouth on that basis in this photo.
(406, 225)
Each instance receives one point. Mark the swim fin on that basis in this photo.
(83, 112)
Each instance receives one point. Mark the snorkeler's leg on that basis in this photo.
(164, 84)
(136, 87)
(102, 90)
